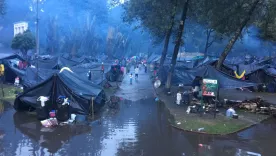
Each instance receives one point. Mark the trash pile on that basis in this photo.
(52, 118)
(256, 105)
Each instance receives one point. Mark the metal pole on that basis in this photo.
(2, 81)
(37, 30)
(92, 107)
(37, 39)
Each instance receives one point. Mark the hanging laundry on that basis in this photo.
(25, 65)
(16, 81)
(20, 65)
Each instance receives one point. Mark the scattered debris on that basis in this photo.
(200, 129)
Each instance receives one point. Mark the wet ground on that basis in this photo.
(138, 128)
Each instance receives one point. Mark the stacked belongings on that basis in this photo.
(63, 112)
(42, 111)
(53, 117)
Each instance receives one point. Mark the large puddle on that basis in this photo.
(136, 129)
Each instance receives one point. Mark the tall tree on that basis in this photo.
(244, 22)
(52, 36)
(156, 16)
(168, 33)
(24, 42)
(267, 21)
(178, 43)
(2, 7)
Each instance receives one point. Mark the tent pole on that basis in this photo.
(2, 81)
(92, 107)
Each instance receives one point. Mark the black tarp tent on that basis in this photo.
(97, 77)
(59, 62)
(187, 76)
(33, 76)
(11, 72)
(66, 83)
(154, 58)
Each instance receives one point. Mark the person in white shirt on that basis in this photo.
(130, 78)
(178, 98)
(136, 72)
(230, 112)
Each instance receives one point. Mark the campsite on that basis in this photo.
(137, 77)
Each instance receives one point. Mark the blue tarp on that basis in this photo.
(186, 77)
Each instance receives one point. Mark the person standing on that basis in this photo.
(89, 75)
(130, 78)
(136, 72)
(146, 68)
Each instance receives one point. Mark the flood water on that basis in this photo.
(137, 129)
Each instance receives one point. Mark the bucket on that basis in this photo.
(52, 114)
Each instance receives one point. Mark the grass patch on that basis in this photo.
(9, 92)
(213, 126)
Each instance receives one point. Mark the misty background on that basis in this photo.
(94, 28)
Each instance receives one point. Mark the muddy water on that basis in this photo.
(136, 129)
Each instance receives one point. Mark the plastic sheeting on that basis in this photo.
(79, 92)
(97, 76)
(271, 71)
(249, 68)
(153, 58)
(187, 76)
(33, 76)
(59, 62)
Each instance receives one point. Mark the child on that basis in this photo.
(136, 72)
(146, 68)
(130, 78)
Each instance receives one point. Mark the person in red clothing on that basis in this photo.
(20, 65)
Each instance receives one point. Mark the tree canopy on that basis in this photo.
(2, 7)
(154, 16)
(24, 42)
(267, 21)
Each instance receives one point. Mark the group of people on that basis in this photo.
(136, 71)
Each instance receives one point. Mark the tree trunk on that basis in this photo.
(177, 44)
(166, 46)
(236, 35)
(208, 33)
(168, 36)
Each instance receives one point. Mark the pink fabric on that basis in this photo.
(122, 69)
(20, 65)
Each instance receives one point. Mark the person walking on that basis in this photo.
(89, 75)
(130, 78)
(146, 68)
(136, 72)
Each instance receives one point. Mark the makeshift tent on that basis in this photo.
(58, 62)
(260, 76)
(50, 138)
(98, 77)
(226, 67)
(187, 76)
(46, 63)
(11, 70)
(115, 74)
(33, 76)
(79, 92)
(154, 58)
(249, 68)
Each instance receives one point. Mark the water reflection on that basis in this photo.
(50, 138)
(138, 128)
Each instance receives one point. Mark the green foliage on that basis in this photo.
(267, 21)
(24, 42)
(224, 16)
(152, 15)
(2, 7)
